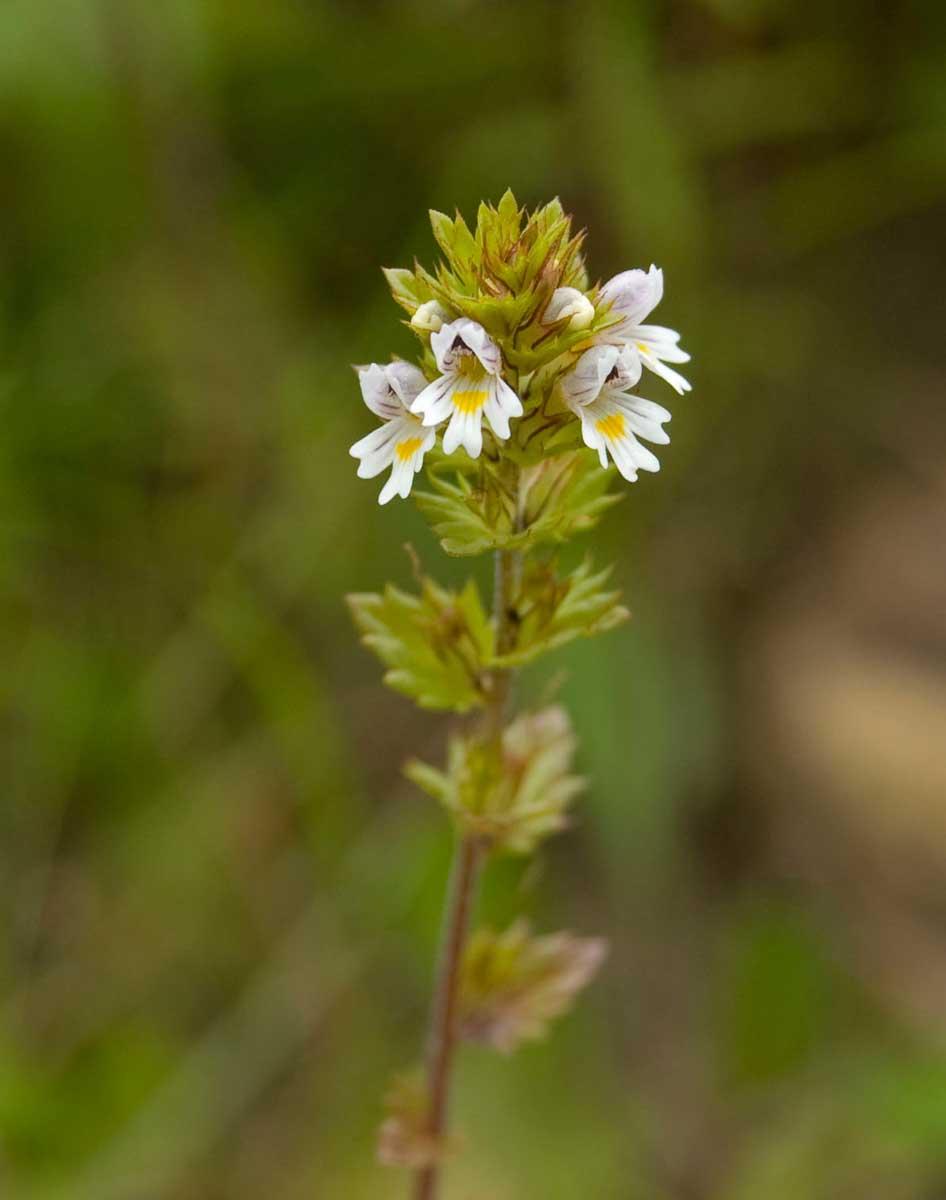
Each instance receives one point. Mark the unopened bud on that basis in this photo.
(569, 304)
(430, 316)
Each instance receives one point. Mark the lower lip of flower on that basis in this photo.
(611, 426)
(408, 448)
(469, 401)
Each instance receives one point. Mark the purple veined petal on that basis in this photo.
(639, 406)
(407, 381)
(376, 442)
(634, 293)
(644, 418)
(626, 371)
(434, 401)
(612, 426)
(583, 384)
(377, 393)
(449, 342)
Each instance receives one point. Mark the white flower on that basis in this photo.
(634, 294)
(469, 388)
(571, 304)
(402, 441)
(612, 420)
(430, 316)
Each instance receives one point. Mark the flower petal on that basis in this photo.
(452, 338)
(501, 404)
(612, 425)
(569, 304)
(634, 293)
(434, 401)
(664, 342)
(377, 392)
(407, 381)
(584, 383)
(430, 316)
(602, 368)
(677, 381)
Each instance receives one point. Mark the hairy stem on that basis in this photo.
(443, 1032)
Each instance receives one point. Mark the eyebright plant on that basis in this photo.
(529, 377)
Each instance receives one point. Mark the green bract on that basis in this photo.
(512, 794)
(551, 611)
(472, 510)
(513, 984)
(435, 645)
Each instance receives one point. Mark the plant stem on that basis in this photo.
(465, 871)
(443, 1034)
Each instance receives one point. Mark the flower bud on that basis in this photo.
(430, 316)
(569, 303)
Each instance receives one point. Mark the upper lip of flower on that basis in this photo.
(456, 339)
(632, 295)
(613, 368)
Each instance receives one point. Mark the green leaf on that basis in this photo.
(508, 212)
(435, 645)
(435, 783)
(467, 519)
(457, 243)
(512, 985)
(551, 611)
(511, 794)
(404, 1139)
(408, 288)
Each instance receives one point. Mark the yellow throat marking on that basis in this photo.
(611, 426)
(407, 449)
(643, 349)
(470, 400)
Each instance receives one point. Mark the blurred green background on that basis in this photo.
(219, 897)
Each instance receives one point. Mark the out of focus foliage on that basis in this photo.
(219, 897)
